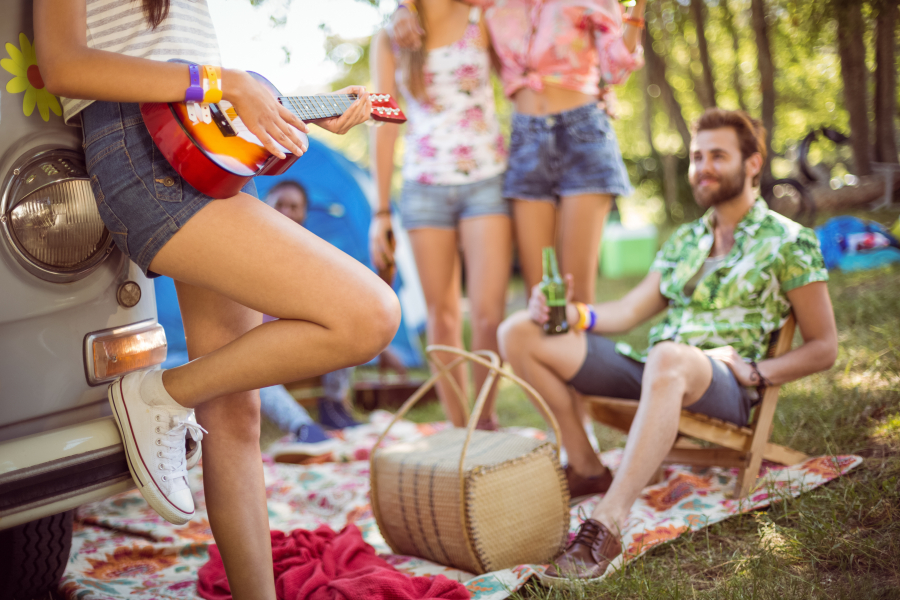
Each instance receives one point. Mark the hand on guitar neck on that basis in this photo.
(358, 112)
(254, 130)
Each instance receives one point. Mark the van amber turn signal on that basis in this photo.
(114, 352)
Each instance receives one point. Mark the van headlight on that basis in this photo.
(50, 218)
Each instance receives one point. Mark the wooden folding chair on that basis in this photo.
(742, 447)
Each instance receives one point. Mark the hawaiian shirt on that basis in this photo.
(744, 300)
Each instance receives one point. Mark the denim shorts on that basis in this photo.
(141, 198)
(605, 372)
(566, 154)
(444, 206)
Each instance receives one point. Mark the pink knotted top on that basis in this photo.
(573, 44)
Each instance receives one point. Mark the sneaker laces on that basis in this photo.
(173, 456)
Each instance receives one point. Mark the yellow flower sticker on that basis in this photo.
(27, 78)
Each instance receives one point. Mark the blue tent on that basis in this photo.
(338, 212)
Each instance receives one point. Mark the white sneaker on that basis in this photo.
(154, 440)
(193, 449)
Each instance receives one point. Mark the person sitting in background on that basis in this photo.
(290, 199)
(726, 282)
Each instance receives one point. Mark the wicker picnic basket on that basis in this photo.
(474, 500)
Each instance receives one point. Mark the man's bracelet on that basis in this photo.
(762, 380)
(408, 5)
(384, 212)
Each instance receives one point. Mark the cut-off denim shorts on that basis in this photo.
(564, 154)
(141, 198)
(444, 206)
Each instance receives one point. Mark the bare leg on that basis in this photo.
(236, 508)
(548, 363)
(437, 260)
(535, 228)
(487, 248)
(676, 376)
(334, 311)
(581, 221)
(239, 253)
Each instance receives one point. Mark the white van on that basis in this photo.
(74, 314)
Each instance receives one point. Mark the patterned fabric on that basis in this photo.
(454, 138)
(122, 549)
(743, 300)
(576, 44)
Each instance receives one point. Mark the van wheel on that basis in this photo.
(33, 556)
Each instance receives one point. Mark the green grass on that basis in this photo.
(839, 541)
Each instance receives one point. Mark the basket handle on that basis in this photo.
(443, 370)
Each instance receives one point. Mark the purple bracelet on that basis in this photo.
(194, 92)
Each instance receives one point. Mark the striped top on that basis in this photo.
(120, 26)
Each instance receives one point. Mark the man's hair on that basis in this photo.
(288, 183)
(750, 132)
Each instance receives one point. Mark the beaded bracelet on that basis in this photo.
(762, 380)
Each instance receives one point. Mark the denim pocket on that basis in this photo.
(113, 223)
(166, 180)
(591, 129)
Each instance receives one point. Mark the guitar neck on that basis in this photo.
(310, 108)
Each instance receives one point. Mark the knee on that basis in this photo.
(485, 323)
(381, 321)
(666, 364)
(444, 320)
(516, 336)
(232, 420)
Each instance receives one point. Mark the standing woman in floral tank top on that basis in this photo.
(452, 180)
(104, 57)
(557, 58)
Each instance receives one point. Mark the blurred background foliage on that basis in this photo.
(781, 60)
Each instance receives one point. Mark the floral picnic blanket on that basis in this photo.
(122, 549)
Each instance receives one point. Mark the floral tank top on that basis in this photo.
(454, 138)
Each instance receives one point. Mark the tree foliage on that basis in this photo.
(656, 106)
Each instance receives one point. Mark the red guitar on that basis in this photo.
(219, 158)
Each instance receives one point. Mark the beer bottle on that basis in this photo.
(554, 291)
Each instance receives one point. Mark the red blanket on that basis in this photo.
(324, 565)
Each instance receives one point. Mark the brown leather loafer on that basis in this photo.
(586, 557)
(581, 487)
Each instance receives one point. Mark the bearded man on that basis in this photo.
(725, 282)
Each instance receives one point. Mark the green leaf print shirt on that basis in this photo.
(744, 300)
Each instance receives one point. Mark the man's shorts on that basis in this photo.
(605, 372)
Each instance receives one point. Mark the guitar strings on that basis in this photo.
(315, 107)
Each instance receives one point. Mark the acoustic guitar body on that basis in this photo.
(216, 164)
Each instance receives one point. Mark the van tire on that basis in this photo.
(33, 556)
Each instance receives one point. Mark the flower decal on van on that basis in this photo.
(22, 63)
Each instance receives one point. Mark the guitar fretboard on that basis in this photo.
(318, 107)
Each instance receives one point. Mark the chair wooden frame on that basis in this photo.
(741, 447)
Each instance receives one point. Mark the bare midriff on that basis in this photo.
(550, 100)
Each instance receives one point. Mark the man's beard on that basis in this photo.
(730, 186)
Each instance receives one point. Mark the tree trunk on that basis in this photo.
(885, 82)
(852, 50)
(670, 192)
(728, 18)
(656, 70)
(766, 79)
(708, 97)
